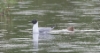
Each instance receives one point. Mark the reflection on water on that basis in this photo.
(35, 40)
(16, 31)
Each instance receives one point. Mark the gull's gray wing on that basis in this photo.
(45, 29)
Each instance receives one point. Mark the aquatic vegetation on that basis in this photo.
(4, 6)
(5, 19)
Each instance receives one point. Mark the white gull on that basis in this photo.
(40, 30)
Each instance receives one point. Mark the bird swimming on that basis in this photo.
(40, 30)
(68, 30)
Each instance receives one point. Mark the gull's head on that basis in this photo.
(34, 21)
(35, 26)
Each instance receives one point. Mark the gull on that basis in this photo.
(40, 30)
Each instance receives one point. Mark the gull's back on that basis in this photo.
(45, 29)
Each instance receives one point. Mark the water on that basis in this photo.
(16, 29)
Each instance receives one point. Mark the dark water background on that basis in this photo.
(16, 33)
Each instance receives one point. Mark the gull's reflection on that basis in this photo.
(35, 41)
